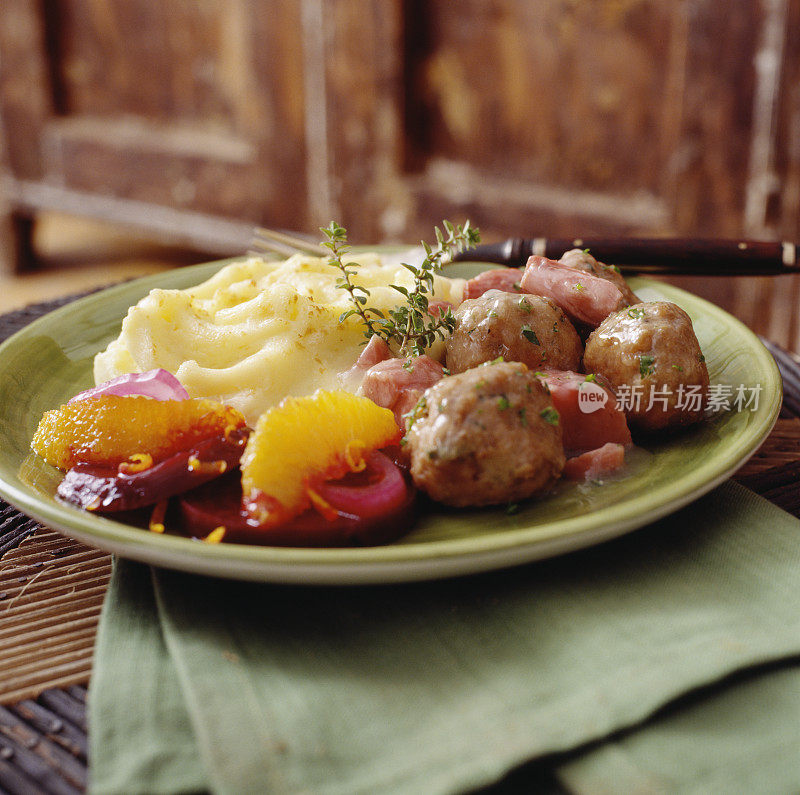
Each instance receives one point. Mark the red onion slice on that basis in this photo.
(159, 384)
(378, 491)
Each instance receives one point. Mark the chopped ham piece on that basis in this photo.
(596, 463)
(376, 350)
(437, 307)
(505, 279)
(589, 412)
(586, 298)
(397, 384)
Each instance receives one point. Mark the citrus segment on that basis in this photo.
(110, 429)
(306, 440)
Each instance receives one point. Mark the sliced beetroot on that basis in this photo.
(107, 489)
(159, 384)
(381, 492)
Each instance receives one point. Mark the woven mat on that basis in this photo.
(51, 591)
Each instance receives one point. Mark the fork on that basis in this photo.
(284, 244)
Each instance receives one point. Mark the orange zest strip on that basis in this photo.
(156, 524)
(354, 455)
(216, 535)
(137, 462)
(321, 505)
(207, 467)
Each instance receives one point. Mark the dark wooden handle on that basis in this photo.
(653, 255)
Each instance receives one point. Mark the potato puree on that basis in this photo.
(257, 331)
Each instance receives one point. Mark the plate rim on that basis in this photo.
(402, 562)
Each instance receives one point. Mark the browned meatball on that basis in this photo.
(487, 436)
(650, 354)
(517, 326)
(584, 261)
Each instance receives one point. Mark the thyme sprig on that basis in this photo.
(411, 326)
(336, 243)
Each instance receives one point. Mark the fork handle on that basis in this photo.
(652, 255)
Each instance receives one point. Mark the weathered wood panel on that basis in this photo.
(362, 71)
(184, 105)
(25, 103)
(561, 93)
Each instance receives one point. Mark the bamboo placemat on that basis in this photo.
(51, 591)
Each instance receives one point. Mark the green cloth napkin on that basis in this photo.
(613, 667)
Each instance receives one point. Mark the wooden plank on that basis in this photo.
(710, 162)
(555, 93)
(363, 86)
(506, 207)
(217, 80)
(208, 233)
(25, 101)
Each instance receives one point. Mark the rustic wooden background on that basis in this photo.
(195, 119)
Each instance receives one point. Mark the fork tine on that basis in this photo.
(266, 237)
(260, 247)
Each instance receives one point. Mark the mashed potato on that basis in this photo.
(257, 331)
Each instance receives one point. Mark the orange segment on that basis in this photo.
(307, 439)
(111, 429)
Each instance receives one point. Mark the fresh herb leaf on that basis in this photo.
(530, 335)
(646, 365)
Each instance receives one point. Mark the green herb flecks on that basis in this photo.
(646, 365)
(549, 415)
(420, 410)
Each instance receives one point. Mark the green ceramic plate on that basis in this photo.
(51, 360)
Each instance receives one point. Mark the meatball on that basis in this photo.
(582, 260)
(487, 436)
(519, 327)
(651, 356)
